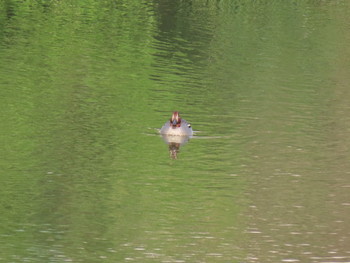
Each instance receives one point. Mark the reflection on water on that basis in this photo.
(265, 180)
(174, 143)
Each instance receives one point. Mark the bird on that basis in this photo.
(176, 126)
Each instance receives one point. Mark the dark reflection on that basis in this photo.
(175, 142)
(8, 8)
(182, 40)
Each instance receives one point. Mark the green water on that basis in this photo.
(85, 177)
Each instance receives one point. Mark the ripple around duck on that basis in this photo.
(196, 135)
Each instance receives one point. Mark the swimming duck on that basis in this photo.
(176, 126)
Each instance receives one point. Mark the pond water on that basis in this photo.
(85, 86)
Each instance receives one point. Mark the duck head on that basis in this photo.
(175, 120)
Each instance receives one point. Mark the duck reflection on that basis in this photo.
(174, 143)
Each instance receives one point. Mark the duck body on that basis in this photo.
(176, 126)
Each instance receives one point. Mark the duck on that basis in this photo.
(176, 126)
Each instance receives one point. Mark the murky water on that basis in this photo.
(85, 177)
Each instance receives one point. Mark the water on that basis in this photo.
(86, 178)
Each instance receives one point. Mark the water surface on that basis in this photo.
(84, 85)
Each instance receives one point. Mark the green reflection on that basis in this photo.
(84, 84)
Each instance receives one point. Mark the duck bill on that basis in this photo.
(173, 124)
